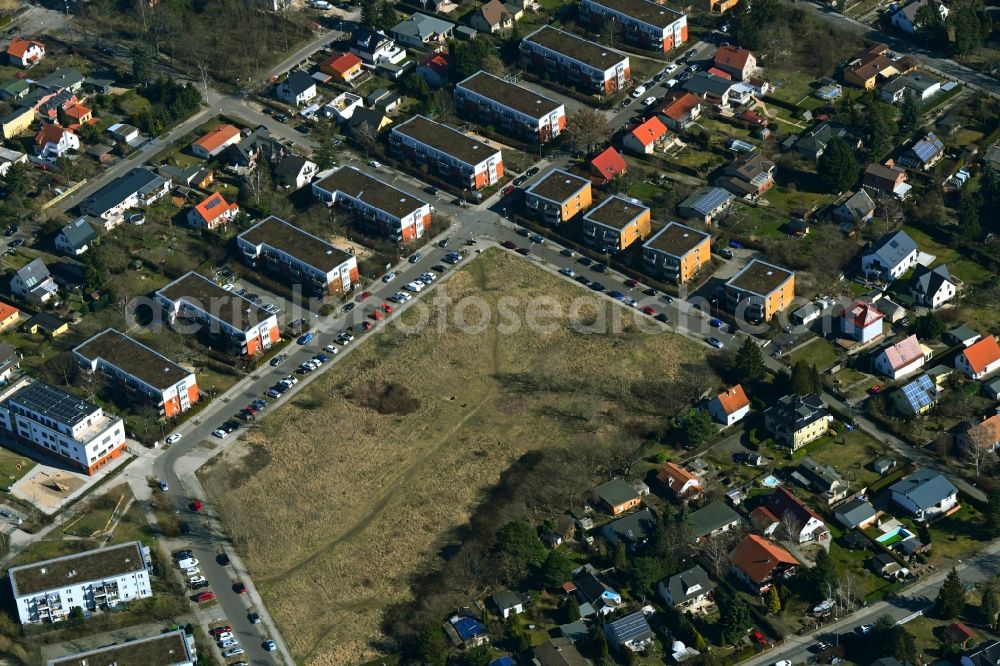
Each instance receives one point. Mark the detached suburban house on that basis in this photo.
(796, 420)
(297, 89)
(808, 526)
(735, 61)
(687, 591)
(730, 406)
(631, 633)
(647, 137)
(923, 154)
(54, 141)
(375, 47)
(617, 497)
(856, 514)
(595, 595)
(748, 177)
(33, 283)
(25, 53)
(759, 562)
(902, 358)
(215, 141)
(921, 85)
(713, 519)
(926, 494)
(683, 484)
(980, 359)
(915, 397)
(984, 435)
(886, 179)
(862, 323)
(492, 17)
(632, 530)
(212, 212)
(891, 256)
(507, 603)
(421, 30)
(906, 18)
(74, 239)
(932, 287)
(858, 210)
(681, 111)
(342, 66)
(705, 204)
(294, 172)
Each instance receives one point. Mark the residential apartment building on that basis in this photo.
(295, 256)
(389, 211)
(231, 321)
(102, 578)
(590, 66)
(465, 161)
(796, 420)
(141, 371)
(558, 196)
(648, 24)
(139, 187)
(677, 252)
(760, 291)
(174, 648)
(509, 107)
(616, 224)
(61, 425)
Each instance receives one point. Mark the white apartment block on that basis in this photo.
(174, 648)
(513, 109)
(61, 424)
(462, 159)
(391, 211)
(93, 580)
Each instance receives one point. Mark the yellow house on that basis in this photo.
(17, 121)
(870, 66)
(760, 291)
(559, 196)
(616, 223)
(46, 325)
(796, 420)
(9, 316)
(677, 252)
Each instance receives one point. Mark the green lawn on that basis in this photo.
(957, 536)
(96, 514)
(820, 353)
(644, 191)
(849, 453)
(13, 467)
(790, 85)
(968, 271)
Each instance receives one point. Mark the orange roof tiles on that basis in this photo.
(681, 106)
(49, 133)
(715, 71)
(77, 111)
(758, 557)
(7, 311)
(863, 314)
(732, 56)
(18, 46)
(982, 354)
(733, 399)
(609, 164)
(217, 137)
(674, 476)
(341, 62)
(650, 131)
(213, 207)
(987, 432)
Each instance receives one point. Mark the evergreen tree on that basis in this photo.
(518, 541)
(969, 207)
(430, 646)
(951, 598)
(969, 29)
(481, 655)
(696, 427)
(142, 64)
(989, 605)
(17, 179)
(909, 114)
(618, 559)
(931, 29)
(699, 642)
(555, 569)
(929, 326)
(773, 601)
(643, 575)
(735, 619)
(325, 155)
(993, 512)
(803, 382)
(897, 642)
(749, 365)
(837, 167)
(572, 609)
(823, 576)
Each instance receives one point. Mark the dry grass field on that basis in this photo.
(334, 503)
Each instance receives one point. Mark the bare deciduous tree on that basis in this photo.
(715, 550)
(977, 447)
(789, 527)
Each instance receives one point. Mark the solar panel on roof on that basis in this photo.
(631, 626)
(212, 203)
(712, 199)
(926, 148)
(918, 392)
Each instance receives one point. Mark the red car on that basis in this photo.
(875, 389)
(523, 251)
(376, 315)
(386, 308)
(240, 588)
(220, 630)
(507, 191)
(631, 284)
(205, 596)
(197, 505)
(363, 296)
(760, 638)
(649, 310)
(510, 245)
(367, 326)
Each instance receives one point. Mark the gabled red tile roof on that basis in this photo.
(863, 315)
(7, 311)
(758, 558)
(733, 399)
(783, 501)
(609, 164)
(732, 56)
(18, 46)
(720, 73)
(959, 633)
(217, 137)
(650, 131)
(439, 62)
(982, 354)
(341, 62)
(77, 111)
(674, 476)
(764, 516)
(49, 133)
(213, 207)
(680, 107)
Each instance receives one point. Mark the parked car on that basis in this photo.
(415, 257)
(639, 92)
(531, 172)
(222, 559)
(254, 618)
(537, 238)
(363, 296)
(510, 245)
(716, 342)
(176, 437)
(202, 597)
(374, 164)
(231, 652)
(388, 277)
(270, 646)
(163, 486)
(567, 271)
(306, 338)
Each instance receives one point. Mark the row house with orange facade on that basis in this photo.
(591, 67)
(380, 206)
(677, 252)
(648, 24)
(140, 370)
(228, 320)
(299, 258)
(456, 157)
(512, 109)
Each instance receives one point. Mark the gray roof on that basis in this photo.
(916, 81)
(422, 27)
(855, 512)
(575, 631)
(796, 412)
(118, 190)
(616, 492)
(505, 599)
(62, 78)
(962, 333)
(928, 281)
(925, 488)
(892, 249)
(711, 517)
(634, 528)
(632, 627)
(53, 403)
(883, 462)
(688, 585)
(820, 475)
(78, 233)
(289, 168)
(558, 651)
(857, 207)
(706, 199)
(298, 82)
(704, 83)
(33, 273)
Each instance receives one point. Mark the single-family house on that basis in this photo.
(705, 204)
(915, 397)
(213, 212)
(558, 651)
(759, 291)
(982, 436)
(616, 224)
(907, 19)
(9, 316)
(507, 603)
(435, 68)
(617, 497)
(932, 287)
(10, 359)
(963, 335)
(492, 17)
(45, 325)
(76, 114)
(758, 562)
(924, 153)
(342, 66)
(75, 238)
(374, 47)
(857, 513)
(804, 523)
(558, 196)
(294, 172)
(216, 140)
(711, 88)
(633, 530)
(631, 633)
(54, 140)
(607, 166)
(871, 66)
(921, 85)
(795, 420)
(856, 211)
(384, 99)
(647, 137)
(713, 519)
(25, 53)
(421, 30)
(16, 122)
(959, 634)
(738, 62)
(925, 494)
(862, 322)
(980, 359)
(122, 133)
(688, 590)
(9, 158)
(297, 89)
(730, 406)
(136, 188)
(902, 358)
(812, 143)
(14, 89)
(679, 481)
(596, 597)
(342, 107)
(890, 257)
(466, 631)
(749, 176)
(886, 179)
(821, 478)
(34, 283)
(680, 111)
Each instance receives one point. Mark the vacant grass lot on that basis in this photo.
(347, 504)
